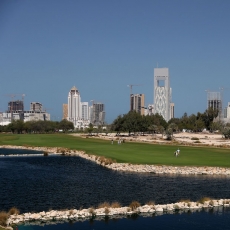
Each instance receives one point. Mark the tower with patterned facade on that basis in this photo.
(162, 93)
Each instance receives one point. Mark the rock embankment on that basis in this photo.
(83, 214)
(155, 169)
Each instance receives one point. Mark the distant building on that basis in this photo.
(77, 110)
(74, 105)
(162, 93)
(214, 101)
(97, 113)
(65, 111)
(15, 106)
(172, 110)
(36, 106)
(149, 110)
(36, 116)
(137, 103)
(7, 117)
(227, 113)
(85, 111)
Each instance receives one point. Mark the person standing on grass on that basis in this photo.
(112, 141)
(178, 152)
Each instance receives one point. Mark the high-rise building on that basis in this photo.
(85, 110)
(97, 113)
(78, 112)
(171, 110)
(74, 106)
(214, 101)
(137, 103)
(65, 111)
(227, 111)
(162, 93)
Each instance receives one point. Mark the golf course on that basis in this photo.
(128, 152)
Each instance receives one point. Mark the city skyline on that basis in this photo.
(101, 47)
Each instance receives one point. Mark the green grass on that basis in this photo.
(131, 152)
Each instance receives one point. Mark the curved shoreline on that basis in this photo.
(101, 213)
(55, 216)
(127, 167)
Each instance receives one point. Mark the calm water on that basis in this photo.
(40, 183)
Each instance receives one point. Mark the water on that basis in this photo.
(6, 152)
(40, 183)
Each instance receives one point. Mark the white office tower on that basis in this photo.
(162, 93)
(74, 107)
(91, 114)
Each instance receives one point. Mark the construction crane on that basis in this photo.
(131, 87)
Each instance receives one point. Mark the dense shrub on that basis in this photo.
(203, 199)
(13, 211)
(151, 203)
(3, 218)
(104, 205)
(115, 205)
(134, 205)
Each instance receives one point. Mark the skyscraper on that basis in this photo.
(65, 111)
(214, 101)
(97, 113)
(74, 106)
(137, 103)
(85, 110)
(162, 93)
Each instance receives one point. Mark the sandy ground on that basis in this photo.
(182, 138)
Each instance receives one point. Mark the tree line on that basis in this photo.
(19, 126)
(133, 122)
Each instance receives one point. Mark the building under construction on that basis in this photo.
(214, 101)
(15, 106)
(16, 112)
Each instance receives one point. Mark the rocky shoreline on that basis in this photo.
(55, 216)
(127, 167)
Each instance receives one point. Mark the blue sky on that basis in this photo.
(101, 46)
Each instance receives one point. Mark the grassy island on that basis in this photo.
(128, 152)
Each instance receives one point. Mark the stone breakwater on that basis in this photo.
(151, 209)
(155, 169)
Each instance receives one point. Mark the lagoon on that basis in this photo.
(40, 183)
